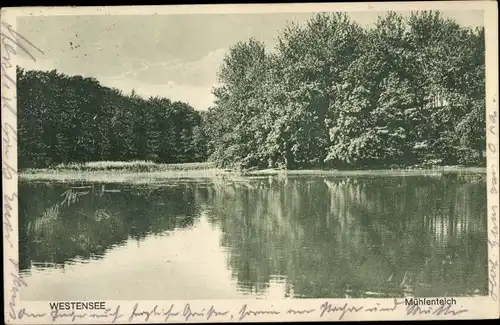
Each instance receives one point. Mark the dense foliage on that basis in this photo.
(332, 93)
(63, 119)
(407, 91)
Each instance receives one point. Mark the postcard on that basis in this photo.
(250, 163)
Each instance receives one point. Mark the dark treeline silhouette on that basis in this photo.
(407, 91)
(64, 119)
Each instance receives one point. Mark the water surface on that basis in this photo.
(268, 237)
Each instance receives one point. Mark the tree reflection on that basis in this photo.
(60, 222)
(311, 237)
(360, 237)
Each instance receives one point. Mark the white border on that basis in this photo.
(345, 309)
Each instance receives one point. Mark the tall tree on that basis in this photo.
(237, 103)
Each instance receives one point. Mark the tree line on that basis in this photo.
(408, 91)
(68, 119)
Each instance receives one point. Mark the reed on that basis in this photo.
(136, 165)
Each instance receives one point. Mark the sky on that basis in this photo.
(173, 56)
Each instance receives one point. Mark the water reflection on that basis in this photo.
(278, 237)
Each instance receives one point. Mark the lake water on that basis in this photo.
(269, 237)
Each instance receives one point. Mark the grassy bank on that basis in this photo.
(150, 172)
(380, 172)
(135, 166)
(120, 171)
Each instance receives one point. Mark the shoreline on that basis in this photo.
(152, 173)
(381, 171)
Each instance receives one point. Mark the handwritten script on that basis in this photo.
(11, 42)
(187, 312)
(493, 209)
